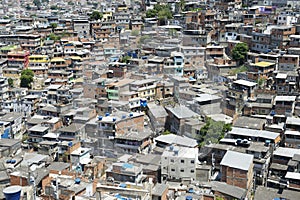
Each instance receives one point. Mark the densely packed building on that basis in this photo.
(150, 99)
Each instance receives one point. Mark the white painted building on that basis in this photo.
(286, 20)
(179, 162)
(80, 155)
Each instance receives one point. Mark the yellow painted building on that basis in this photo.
(39, 59)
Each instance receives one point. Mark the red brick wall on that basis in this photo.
(236, 177)
(17, 180)
(135, 123)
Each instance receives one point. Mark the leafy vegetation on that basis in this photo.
(26, 78)
(196, 9)
(240, 69)
(53, 26)
(125, 59)
(54, 37)
(166, 132)
(239, 52)
(173, 32)
(25, 137)
(160, 11)
(135, 32)
(261, 81)
(96, 15)
(213, 131)
(10, 82)
(181, 4)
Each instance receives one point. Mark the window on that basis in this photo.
(182, 161)
(192, 171)
(182, 170)
(192, 161)
(173, 170)
(172, 160)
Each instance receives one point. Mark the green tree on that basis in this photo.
(162, 12)
(53, 26)
(165, 13)
(10, 82)
(26, 78)
(125, 59)
(239, 52)
(213, 131)
(54, 37)
(96, 15)
(240, 69)
(182, 5)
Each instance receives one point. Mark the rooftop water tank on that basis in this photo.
(188, 198)
(12, 192)
(77, 180)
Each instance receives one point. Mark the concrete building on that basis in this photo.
(82, 27)
(284, 105)
(237, 173)
(177, 117)
(179, 163)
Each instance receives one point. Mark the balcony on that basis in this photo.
(112, 91)
(137, 88)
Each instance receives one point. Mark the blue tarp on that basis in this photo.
(273, 113)
(143, 103)
(191, 190)
(123, 185)
(127, 166)
(5, 134)
(189, 198)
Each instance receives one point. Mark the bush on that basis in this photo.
(26, 78)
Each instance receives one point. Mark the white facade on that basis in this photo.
(179, 162)
(82, 27)
(3, 88)
(286, 20)
(80, 155)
